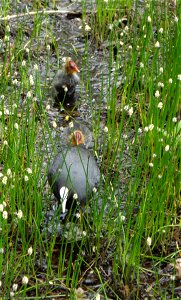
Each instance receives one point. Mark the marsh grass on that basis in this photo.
(138, 157)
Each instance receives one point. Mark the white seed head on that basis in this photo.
(157, 44)
(167, 147)
(25, 280)
(160, 105)
(149, 241)
(5, 214)
(149, 19)
(30, 251)
(157, 94)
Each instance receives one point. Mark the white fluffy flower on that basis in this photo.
(149, 241)
(167, 147)
(30, 251)
(157, 44)
(157, 94)
(25, 280)
(160, 105)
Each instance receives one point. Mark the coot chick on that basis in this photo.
(64, 83)
(73, 171)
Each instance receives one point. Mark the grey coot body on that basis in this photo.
(64, 84)
(76, 169)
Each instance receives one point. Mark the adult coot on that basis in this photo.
(64, 83)
(73, 173)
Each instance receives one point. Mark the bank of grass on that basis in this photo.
(139, 158)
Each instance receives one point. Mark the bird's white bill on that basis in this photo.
(64, 196)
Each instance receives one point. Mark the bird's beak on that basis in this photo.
(77, 70)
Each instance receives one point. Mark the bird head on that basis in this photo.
(71, 67)
(77, 138)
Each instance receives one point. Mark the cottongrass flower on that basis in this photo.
(157, 44)
(154, 155)
(126, 28)
(30, 251)
(161, 30)
(29, 170)
(159, 176)
(15, 82)
(141, 65)
(1, 250)
(9, 173)
(94, 190)
(75, 196)
(26, 178)
(160, 105)
(146, 129)
(29, 95)
(71, 125)
(1, 207)
(130, 47)
(176, 19)
(106, 129)
(77, 215)
(151, 165)
(84, 233)
(160, 84)
(4, 180)
(87, 28)
(174, 119)
(122, 218)
(35, 67)
(6, 112)
(23, 63)
(5, 214)
(130, 111)
(54, 124)
(179, 77)
(157, 94)
(15, 287)
(25, 280)
(140, 130)
(31, 80)
(65, 88)
(19, 214)
(16, 126)
(5, 143)
(167, 148)
(170, 80)
(48, 47)
(150, 127)
(0, 283)
(149, 19)
(98, 297)
(149, 241)
(47, 107)
(161, 70)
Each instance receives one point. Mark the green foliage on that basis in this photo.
(137, 137)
